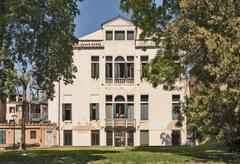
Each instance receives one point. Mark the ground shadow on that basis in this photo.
(54, 156)
(202, 153)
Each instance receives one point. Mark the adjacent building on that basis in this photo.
(110, 102)
(39, 131)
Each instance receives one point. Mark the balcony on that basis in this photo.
(120, 122)
(38, 117)
(99, 44)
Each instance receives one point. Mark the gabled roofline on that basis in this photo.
(119, 16)
(89, 33)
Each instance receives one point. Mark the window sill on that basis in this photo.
(94, 120)
(143, 121)
(67, 121)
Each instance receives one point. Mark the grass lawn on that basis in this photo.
(207, 153)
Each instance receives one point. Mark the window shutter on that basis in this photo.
(97, 112)
(114, 110)
(126, 110)
(125, 70)
(92, 70)
(130, 111)
(97, 70)
(90, 109)
(63, 112)
(109, 111)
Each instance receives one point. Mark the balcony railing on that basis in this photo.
(90, 44)
(100, 44)
(38, 117)
(119, 80)
(120, 122)
(145, 43)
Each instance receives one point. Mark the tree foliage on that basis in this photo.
(36, 39)
(39, 36)
(208, 32)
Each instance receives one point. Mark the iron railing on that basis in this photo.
(120, 122)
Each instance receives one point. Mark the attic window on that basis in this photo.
(130, 35)
(119, 35)
(109, 35)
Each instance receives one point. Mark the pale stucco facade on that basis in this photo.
(126, 130)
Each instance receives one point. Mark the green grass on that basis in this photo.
(207, 153)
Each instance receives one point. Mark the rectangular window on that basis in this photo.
(12, 98)
(95, 67)
(33, 134)
(94, 111)
(11, 110)
(144, 98)
(176, 98)
(109, 69)
(19, 108)
(109, 98)
(2, 137)
(130, 35)
(119, 35)
(130, 69)
(95, 137)
(130, 98)
(176, 107)
(175, 111)
(67, 112)
(144, 62)
(67, 137)
(109, 35)
(130, 111)
(109, 113)
(144, 107)
(177, 64)
(130, 138)
(109, 138)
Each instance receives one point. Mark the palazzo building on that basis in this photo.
(110, 102)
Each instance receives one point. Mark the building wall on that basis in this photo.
(86, 90)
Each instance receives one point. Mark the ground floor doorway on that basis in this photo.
(120, 138)
(176, 137)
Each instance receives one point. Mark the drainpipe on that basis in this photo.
(59, 113)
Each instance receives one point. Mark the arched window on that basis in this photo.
(119, 107)
(119, 67)
(119, 99)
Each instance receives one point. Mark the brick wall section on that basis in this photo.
(40, 129)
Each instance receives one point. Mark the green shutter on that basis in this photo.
(97, 70)
(97, 111)
(90, 109)
(114, 110)
(92, 70)
(144, 138)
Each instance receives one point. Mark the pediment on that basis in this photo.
(118, 21)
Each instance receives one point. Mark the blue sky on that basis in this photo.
(94, 12)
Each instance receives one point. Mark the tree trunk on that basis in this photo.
(24, 109)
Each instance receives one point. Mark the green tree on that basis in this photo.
(208, 34)
(37, 38)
